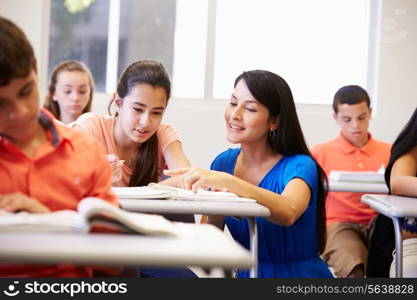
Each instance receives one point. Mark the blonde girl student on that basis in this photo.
(70, 91)
(272, 165)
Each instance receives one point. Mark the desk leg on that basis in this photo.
(253, 232)
(398, 248)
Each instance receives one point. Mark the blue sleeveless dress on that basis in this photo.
(282, 251)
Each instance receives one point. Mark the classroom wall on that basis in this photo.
(200, 124)
(398, 68)
(33, 18)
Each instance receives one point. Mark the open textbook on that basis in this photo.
(160, 191)
(358, 176)
(93, 214)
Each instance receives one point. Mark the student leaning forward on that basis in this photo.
(44, 166)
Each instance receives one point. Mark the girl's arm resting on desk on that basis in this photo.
(403, 175)
(175, 158)
(18, 201)
(285, 208)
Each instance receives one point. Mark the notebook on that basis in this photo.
(160, 191)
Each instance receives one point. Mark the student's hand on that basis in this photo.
(193, 178)
(18, 201)
(116, 167)
(217, 221)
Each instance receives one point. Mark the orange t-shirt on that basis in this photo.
(101, 128)
(68, 167)
(339, 154)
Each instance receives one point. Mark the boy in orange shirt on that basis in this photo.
(353, 150)
(44, 166)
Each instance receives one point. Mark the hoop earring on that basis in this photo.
(272, 134)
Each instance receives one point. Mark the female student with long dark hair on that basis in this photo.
(400, 177)
(136, 136)
(273, 165)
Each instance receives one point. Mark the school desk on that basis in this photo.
(395, 207)
(200, 245)
(220, 208)
(357, 187)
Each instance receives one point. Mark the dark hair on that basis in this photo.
(17, 58)
(69, 66)
(153, 73)
(350, 94)
(274, 93)
(405, 141)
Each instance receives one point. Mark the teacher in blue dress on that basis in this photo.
(273, 165)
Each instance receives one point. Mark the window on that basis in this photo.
(81, 36)
(315, 50)
(317, 46)
(146, 32)
(190, 49)
(138, 30)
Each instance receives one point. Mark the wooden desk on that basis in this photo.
(201, 245)
(220, 208)
(394, 207)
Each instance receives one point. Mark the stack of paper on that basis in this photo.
(159, 191)
(140, 192)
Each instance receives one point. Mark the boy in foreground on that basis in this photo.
(44, 166)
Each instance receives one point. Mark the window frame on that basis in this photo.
(113, 47)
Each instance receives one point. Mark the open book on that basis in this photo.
(160, 191)
(93, 214)
(351, 176)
